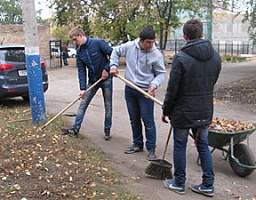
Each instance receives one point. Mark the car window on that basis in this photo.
(12, 55)
(55, 50)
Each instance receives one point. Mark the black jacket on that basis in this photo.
(189, 95)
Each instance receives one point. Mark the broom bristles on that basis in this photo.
(159, 169)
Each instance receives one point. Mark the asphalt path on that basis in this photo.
(64, 88)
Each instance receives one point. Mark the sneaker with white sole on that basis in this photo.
(171, 185)
(133, 149)
(201, 189)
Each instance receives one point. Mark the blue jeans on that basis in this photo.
(180, 137)
(141, 108)
(107, 90)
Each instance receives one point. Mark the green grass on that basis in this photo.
(229, 58)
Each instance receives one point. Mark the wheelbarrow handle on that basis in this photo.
(139, 89)
(70, 104)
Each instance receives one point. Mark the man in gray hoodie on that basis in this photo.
(145, 68)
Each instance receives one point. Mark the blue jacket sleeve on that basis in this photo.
(82, 74)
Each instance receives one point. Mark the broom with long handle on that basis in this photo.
(167, 142)
(69, 105)
(159, 168)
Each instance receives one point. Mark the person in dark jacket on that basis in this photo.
(189, 105)
(92, 56)
(65, 54)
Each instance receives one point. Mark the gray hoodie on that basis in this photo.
(143, 68)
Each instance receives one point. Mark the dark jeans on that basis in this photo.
(141, 109)
(65, 59)
(107, 90)
(180, 137)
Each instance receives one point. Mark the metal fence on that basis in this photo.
(55, 54)
(232, 48)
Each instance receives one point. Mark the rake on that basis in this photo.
(69, 105)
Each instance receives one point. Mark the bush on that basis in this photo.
(229, 58)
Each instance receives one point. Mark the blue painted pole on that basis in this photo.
(36, 92)
(33, 65)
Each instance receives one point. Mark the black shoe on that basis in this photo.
(151, 155)
(133, 149)
(107, 134)
(70, 132)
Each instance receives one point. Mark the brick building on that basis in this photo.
(13, 34)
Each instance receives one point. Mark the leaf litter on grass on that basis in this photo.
(242, 92)
(48, 165)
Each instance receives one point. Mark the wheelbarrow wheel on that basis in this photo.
(245, 156)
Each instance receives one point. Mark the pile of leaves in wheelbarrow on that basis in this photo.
(48, 165)
(229, 125)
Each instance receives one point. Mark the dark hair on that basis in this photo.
(147, 33)
(193, 29)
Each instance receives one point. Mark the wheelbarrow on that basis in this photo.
(240, 156)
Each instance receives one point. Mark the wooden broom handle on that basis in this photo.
(167, 142)
(69, 105)
(139, 89)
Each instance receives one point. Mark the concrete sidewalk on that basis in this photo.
(63, 88)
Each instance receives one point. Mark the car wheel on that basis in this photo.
(25, 98)
(73, 56)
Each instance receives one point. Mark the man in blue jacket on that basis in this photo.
(189, 105)
(92, 54)
(145, 68)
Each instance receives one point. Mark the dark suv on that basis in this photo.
(13, 73)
